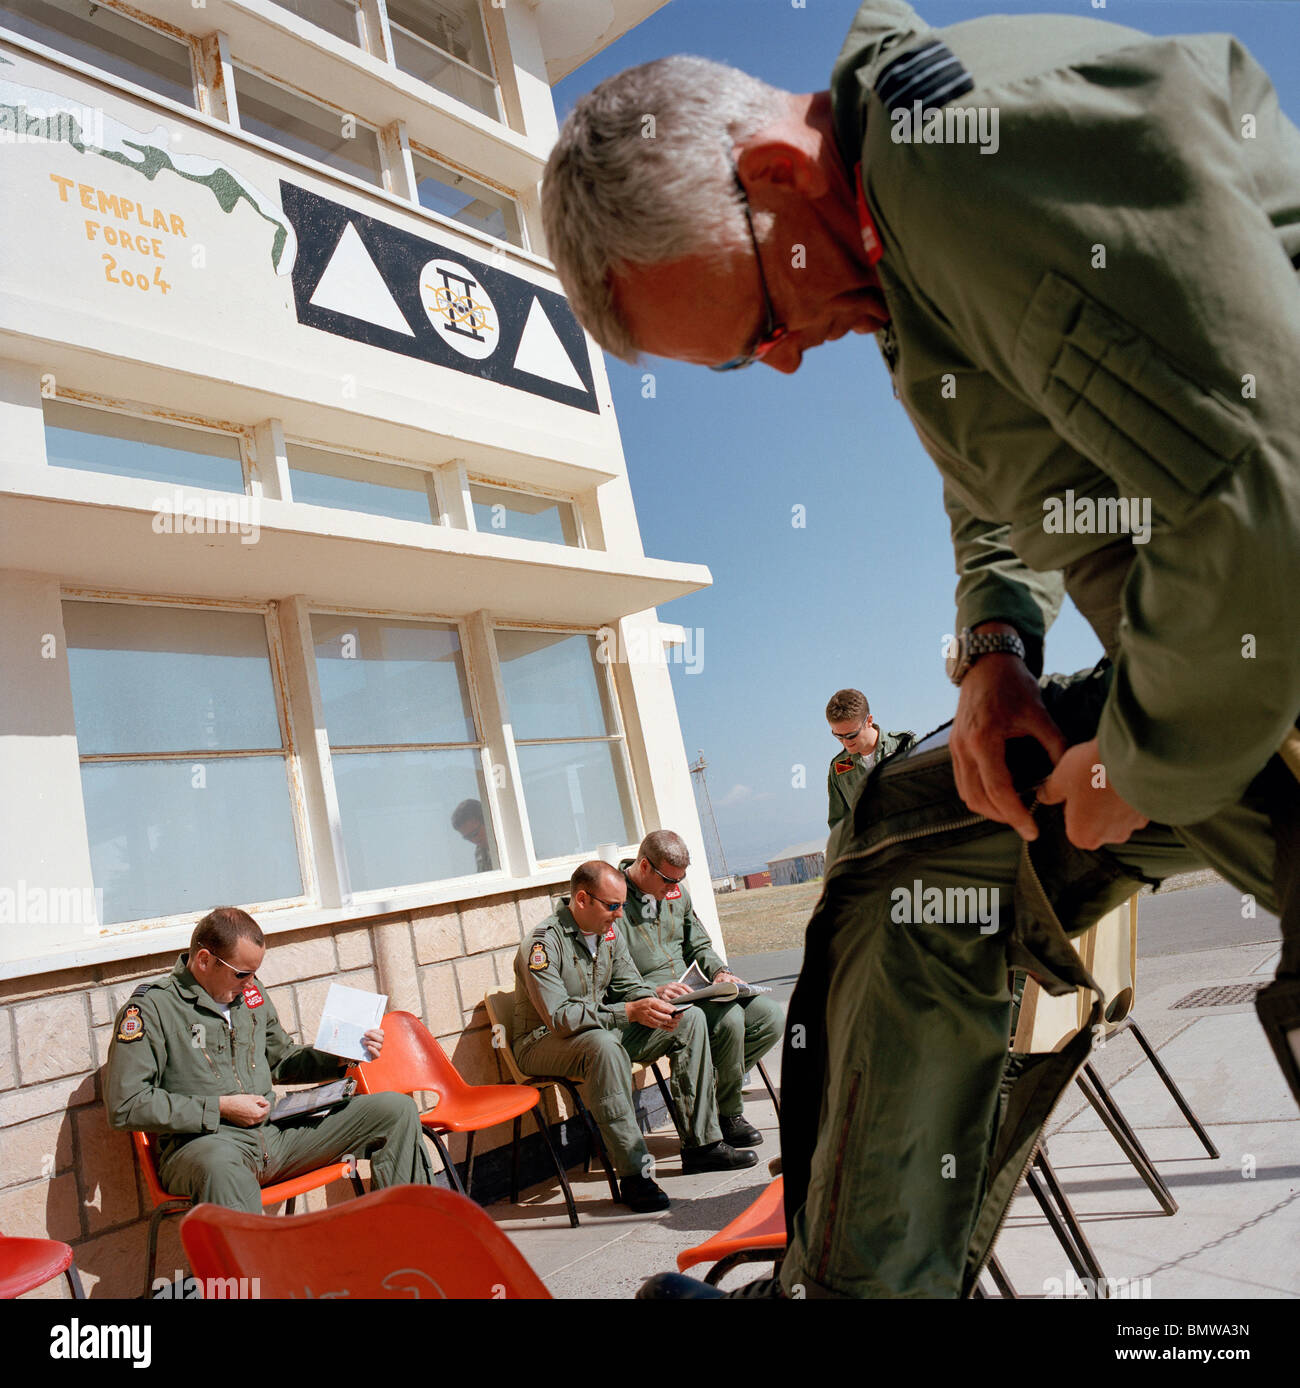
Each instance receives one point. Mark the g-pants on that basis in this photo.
(741, 1032)
(602, 1060)
(231, 1166)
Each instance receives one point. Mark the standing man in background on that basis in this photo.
(849, 715)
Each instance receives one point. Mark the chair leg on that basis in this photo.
(514, 1161)
(1068, 1215)
(1108, 1111)
(469, 1163)
(1072, 1252)
(353, 1175)
(74, 1282)
(767, 1081)
(291, 1204)
(1175, 1093)
(540, 1120)
(668, 1098)
(1001, 1280)
(453, 1176)
(155, 1221)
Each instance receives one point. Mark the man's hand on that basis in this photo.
(373, 1042)
(726, 976)
(669, 991)
(653, 1013)
(244, 1110)
(999, 700)
(1094, 815)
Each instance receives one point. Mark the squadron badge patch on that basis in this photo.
(537, 960)
(609, 934)
(253, 997)
(131, 1027)
(842, 766)
(673, 894)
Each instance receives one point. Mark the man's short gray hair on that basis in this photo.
(642, 174)
(662, 846)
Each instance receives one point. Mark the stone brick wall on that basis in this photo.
(65, 1175)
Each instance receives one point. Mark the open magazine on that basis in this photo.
(704, 991)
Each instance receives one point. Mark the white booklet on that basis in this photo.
(694, 979)
(349, 1013)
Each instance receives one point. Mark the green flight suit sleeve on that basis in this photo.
(294, 1064)
(547, 991)
(696, 945)
(994, 585)
(1124, 273)
(838, 809)
(133, 1097)
(626, 984)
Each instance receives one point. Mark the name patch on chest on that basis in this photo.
(252, 997)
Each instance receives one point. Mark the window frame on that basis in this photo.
(424, 152)
(494, 77)
(432, 483)
(290, 750)
(475, 479)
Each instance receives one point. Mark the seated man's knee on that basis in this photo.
(389, 1111)
(691, 1026)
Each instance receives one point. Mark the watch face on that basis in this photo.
(956, 655)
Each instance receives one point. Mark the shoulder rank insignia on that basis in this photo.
(538, 959)
(253, 996)
(842, 766)
(931, 75)
(131, 1027)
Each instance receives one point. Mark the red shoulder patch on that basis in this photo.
(610, 934)
(842, 766)
(673, 894)
(252, 997)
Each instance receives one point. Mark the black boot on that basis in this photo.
(716, 1156)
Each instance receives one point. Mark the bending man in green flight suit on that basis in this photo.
(1077, 245)
(664, 937)
(849, 716)
(193, 1058)
(582, 1010)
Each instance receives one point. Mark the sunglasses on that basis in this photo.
(672, 881)
(775, 333)
(848, 737)
(613, 907)
(238, 973)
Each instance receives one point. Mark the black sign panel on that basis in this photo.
(363, 279)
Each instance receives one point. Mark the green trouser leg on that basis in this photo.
(383, 1127)
(690, 1081)
(220, 1168)
(740, 1033)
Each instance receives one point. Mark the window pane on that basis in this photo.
(502, 512)
(100, 441)
(105, 39)
(359, 484)
(396, 809)
(385, 681)
(573, 797)
(462, 199)
(338, 16)
(429, 64)
(165, 840)
(455, 26)
(166, 679)
(552, 685)
(315, 131)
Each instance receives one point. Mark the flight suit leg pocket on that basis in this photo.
(1119, 398)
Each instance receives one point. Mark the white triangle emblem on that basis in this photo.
(353, 285)
(541, 353)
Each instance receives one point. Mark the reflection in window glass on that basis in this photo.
(106, 39)
(463, 199)
(191, 831)
(527, 517)
(406, 760)
(322, 478)
(307, 128)
(443, 43)
(338, 16)
(77, 436)
(576, 791)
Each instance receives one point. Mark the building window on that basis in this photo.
(339, 17)
(406, 757)
(184, 764)
(571, 755)
(102, 37)
(443, 43)
(93, 440)
(523, 515)
(463, 199)
(323, 478)
(307, 127)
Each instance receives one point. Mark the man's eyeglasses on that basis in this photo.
(238, 973)
(848, 737)
(672, 881)
(775, 332)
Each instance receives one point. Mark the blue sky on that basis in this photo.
(862, 595)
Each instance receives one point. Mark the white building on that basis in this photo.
(314, 526)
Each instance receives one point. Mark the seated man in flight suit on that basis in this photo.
(664, 937)
(582, 1010)
(193, 1058)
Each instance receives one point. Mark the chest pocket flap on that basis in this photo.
(1112, 393)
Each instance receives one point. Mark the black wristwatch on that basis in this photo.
(970, 645)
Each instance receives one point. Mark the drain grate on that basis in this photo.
(1222, 996)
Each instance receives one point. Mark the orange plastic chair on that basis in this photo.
(412, 1061)
(165, 1203)
(26, 1264)
(416, 1242)
(754, 1236)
